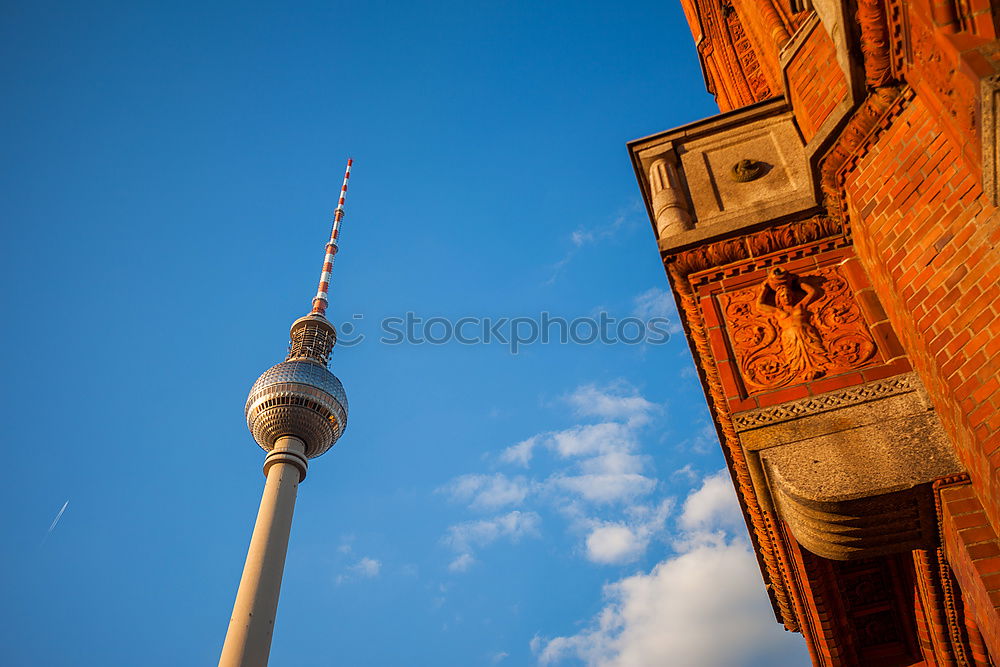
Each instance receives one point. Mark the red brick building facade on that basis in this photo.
(832, 239)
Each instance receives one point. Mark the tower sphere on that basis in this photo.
(301, 398)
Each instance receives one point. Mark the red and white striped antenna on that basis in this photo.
(321, 299)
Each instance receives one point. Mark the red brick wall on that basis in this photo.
(928, 240)
(816, 84)
(973, 552)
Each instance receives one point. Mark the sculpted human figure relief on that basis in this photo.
(801, 343)
(795, 328)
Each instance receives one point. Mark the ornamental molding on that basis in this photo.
(750, 246)
(867, 124)
(990, 111)
(875, 43)
(834, 400)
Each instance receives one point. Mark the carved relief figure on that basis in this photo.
(796, 328)
(800, 341)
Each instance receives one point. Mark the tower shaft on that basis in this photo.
(248, 640)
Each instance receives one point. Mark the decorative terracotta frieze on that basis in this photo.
(796, 328)
(756, 244)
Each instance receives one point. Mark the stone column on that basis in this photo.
(669, 208)
(248, 640)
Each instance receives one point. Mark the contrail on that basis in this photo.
(55, 521)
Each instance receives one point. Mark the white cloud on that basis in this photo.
(656, 302)
(619, 542)
(497, 658)
(466, 537)
(367, 567)
(598, 476)
(462, 563)
(619, 404)
(619, 401)
(704, 441)
(521, 452)
(513, 525)
(713, 507)
(488, 491)
(582, 236)
(609, 488)
(614, 543)
(704, 606)
(346, 543)
(614, 463)
(606, 469)
(687, 472)
(592, 439)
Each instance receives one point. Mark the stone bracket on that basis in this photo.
(842, 466)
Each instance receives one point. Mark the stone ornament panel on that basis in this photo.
(795, 328)
(774, 143)
(900, 384)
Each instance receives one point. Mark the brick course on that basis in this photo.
(973, 551)
(815, 83)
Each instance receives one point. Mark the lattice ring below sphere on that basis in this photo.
(298, 398)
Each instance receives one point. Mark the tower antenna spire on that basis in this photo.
(321, 299)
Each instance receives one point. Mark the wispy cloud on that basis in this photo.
(462, 563)
(687, 472)
(487, 491)
(520, 453)
(584, 236)
(704, 440)
(657, 303)
(616, 401)
(702, 604)
(468, 536)
(365, 568)
(597, 479)
(368, 567)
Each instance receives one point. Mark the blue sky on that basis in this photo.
(169, 173)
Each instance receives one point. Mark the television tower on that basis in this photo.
(296, 411)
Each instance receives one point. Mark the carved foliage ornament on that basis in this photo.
(735, 72)
(759, 243)
(796, 328)
(940, 70)
(875, 42)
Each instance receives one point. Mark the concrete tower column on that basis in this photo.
(248, 640)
